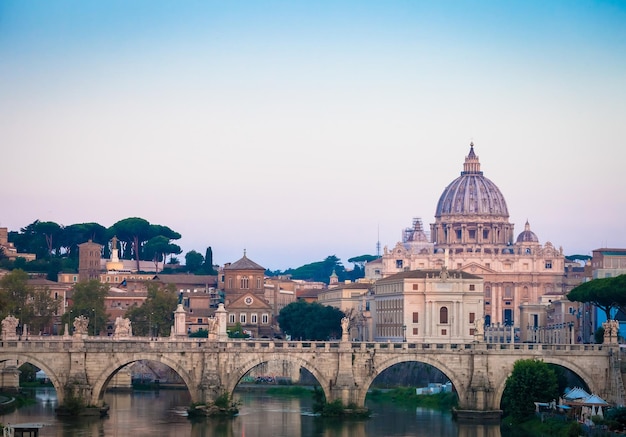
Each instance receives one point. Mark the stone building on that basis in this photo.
(437, 306)
(472, 230)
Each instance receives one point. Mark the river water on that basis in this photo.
(162, 413)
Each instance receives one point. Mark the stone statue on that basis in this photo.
(122, 328)
(479, 328)
(345, 325)
(9, 326)
(214, 324)
(611, 330)
(80, 325)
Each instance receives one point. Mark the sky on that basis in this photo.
(298, 130)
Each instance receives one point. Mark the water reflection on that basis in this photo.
(163, 414)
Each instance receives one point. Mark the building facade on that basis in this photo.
(472, 234)
(437, 306)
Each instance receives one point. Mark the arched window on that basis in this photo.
(244, 282)
(443, 315)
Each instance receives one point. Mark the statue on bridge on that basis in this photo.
(214, 325)
(80, 325)
(611, 331)
(479, 329)
(122, 328)
(9, 328)
(345, 328)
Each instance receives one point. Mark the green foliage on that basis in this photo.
(616, 418)
(27, 372)
(156, 316)
(193, 261)
(237, 332)
(408, 396)
(310, 321)
(32, 306)
(200, 333)
(531, 381)
(88, 301)
(605, 293)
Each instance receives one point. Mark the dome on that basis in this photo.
(472, 193)
(527, 236)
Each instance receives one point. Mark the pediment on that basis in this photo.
(249, 301)
(476, 269)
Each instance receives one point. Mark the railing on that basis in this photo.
(146, 344)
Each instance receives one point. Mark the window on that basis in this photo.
(265, 319)
(443, 315)
(244, 282)
(444, 332)
(508, 292)
(253, 319)
(458, 234)
(415, 287)
(472, 287)
(398, 263)
(230, 282)
(258, 282)
(485, 234)
(472, 234)
(472, 317)
(414, 331)
(548, 264)
(242, 318)
(231, 318)
(377, 272)
(487, 291)
(199, 319)
(416, 318)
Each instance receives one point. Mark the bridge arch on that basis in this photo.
(119, 361)
(250, 364)
(500, 382)
(386, 363)
(55, 379)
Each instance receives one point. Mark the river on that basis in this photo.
(162, 413)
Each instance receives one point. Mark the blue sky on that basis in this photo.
(298, 130)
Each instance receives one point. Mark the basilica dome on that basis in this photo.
(527, 236)
(472, 193)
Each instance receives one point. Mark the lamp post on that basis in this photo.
(95, 322)
(150, 326)
(404, 333)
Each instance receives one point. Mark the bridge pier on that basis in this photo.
(344, 386)
(478, 403)
(10, 379)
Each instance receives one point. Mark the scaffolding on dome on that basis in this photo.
(415, 233)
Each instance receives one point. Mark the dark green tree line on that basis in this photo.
(310, 321)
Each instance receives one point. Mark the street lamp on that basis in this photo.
(404, 333)
(95, 322)
(150, 326)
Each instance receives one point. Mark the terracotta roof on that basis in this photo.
(308, 292)
(244, 264)
(187, 279)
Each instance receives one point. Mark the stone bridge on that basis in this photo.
(345, 370)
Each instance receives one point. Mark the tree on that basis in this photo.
(133, 231)
(157, 248)
(531, 381)
(310, 321)
(33, 307)
(156, 315)
(320, 271)
(88, 300)
(193, 261)
(52, 232)
(605, 293)
(208, 262)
